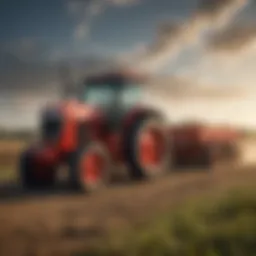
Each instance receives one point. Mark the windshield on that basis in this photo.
(105, 95)
(99, 95)
(130, 95)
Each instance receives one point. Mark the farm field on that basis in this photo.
(60, 222)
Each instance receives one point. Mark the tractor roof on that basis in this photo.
(117, 77)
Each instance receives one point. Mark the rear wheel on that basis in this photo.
(148, 151)
(90, 168)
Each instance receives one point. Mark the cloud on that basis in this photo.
(180, 88)
(122, 2)
(18, 74)
(82, 30)
(26, 48)
(213, 8)
(184, 98)
(233, 38)
(172, 39)
(86, 10)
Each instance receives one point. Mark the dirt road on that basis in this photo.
(59, 222)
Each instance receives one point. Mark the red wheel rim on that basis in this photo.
(151, 147)
(92, 167)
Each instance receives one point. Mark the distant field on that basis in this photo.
(9, 153)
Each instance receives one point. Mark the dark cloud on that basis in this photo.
(234, 38)
(17, 74)
(172, 38)
(211, 8)
(179, 88)
(27, 48)
(167, 34)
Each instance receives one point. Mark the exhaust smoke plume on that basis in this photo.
(172, 39)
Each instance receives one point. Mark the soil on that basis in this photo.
(60, 222)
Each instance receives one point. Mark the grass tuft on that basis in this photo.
(221, 227)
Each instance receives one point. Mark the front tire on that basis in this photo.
(28, 178)
(90, 168)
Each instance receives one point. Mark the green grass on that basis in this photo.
(7, 174)
(221, 227)
(9, 154)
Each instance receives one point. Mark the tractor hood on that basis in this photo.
(56, 118)
(72, 110)
(80, 111)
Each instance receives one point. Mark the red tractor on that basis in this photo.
(103, 127)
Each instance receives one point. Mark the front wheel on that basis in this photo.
(90, 168)
(29, 177)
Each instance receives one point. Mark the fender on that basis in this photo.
(138, 112)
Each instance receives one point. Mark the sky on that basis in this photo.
(192, 43)
(56, 24)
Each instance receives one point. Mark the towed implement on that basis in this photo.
(103, 127)
(199, 145)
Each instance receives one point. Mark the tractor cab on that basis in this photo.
(113, 94)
